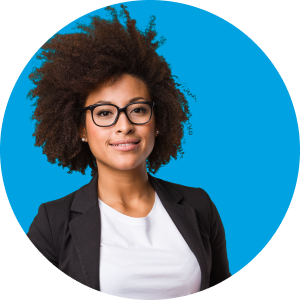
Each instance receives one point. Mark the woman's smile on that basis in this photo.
(125, 145)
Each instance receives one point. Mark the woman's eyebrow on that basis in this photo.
(130, 101)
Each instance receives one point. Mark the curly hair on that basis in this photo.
(74, 64)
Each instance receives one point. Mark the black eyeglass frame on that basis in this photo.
(92, 107)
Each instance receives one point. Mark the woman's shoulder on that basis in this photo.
(196, 193)
(64, 202)
(195, 197)
(61, 208)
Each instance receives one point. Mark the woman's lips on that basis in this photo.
(126, 148)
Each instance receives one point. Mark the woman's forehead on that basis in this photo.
(122, 91)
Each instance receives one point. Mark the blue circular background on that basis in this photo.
(244, 150)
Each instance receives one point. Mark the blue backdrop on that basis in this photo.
(247, 159)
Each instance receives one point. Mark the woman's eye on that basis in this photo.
(139, 109)
(103, 112)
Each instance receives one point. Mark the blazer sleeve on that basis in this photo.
(41, 236)
(220, 265)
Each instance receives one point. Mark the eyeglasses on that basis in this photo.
(105, 115)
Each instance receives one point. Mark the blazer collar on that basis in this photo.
(86, 228)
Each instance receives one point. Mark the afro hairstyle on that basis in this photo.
(73, 65)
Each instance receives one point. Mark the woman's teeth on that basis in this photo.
(124, 144)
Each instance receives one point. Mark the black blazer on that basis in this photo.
(67, 231)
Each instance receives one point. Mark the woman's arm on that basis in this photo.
(220, 265)
(41, 236)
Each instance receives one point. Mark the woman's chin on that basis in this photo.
(127, 165)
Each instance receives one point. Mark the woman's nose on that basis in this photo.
(123, 124)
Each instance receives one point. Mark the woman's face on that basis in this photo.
(100, 139)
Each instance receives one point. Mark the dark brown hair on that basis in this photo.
(75, 64)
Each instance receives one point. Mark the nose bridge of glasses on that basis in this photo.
(124, 110)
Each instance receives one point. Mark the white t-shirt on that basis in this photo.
(145, 258)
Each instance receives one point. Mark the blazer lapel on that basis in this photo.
(86, 228)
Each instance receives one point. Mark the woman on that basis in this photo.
(106, 100)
